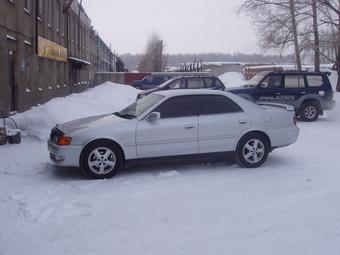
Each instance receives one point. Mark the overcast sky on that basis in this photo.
(186, 26)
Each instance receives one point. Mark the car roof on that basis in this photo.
(187, 92)
(296, 72)
(197, 76)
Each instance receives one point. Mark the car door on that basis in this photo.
(221, 122)
(270, 89)
(175, 133)
(294, 88)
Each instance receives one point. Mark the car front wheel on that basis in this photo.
(101, 159)
(252, 150)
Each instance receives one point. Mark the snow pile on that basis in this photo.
(232, 79)
(106, 98)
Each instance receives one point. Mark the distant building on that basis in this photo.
(48, 48)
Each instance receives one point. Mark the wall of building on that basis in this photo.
(30, 75)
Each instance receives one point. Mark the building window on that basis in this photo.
(50, 13)
(40, 8)
(27, 6)
(57, 15)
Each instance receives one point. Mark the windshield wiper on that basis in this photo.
(125, 115)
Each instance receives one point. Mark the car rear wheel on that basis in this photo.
(309, 111)
(252, 150)
(101, 159)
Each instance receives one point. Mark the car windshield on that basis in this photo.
(256, 79)
(139, 107)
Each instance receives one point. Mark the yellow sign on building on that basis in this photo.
(51, 50)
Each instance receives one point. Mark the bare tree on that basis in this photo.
(153, 59)
(316, 36)
(294, 28)
(277, 22)
(331, 41)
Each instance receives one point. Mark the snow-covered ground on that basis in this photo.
(288, 206)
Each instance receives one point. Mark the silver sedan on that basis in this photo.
(174, 124)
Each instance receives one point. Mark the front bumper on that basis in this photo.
(64, 155)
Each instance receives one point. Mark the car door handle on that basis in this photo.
(278, 93)
(189, 126)
(242, 122)
(303, 92)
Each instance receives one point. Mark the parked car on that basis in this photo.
(187, 82)
(151, 81)
(174, 124)
(310, 93)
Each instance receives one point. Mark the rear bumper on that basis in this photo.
(328, 105)
(64, 155)
(284, 137)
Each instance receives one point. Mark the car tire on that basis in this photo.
(252, 150)
(101, 159)
(309, 111)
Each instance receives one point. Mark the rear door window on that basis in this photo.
(294, 81)
(209, 83)
(216, 104)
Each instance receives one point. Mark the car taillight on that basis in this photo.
(64, 140)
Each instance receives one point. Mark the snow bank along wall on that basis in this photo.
(47, 49)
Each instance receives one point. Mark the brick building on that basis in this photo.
(48, 48)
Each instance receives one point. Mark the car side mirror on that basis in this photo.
(153, 116)
(263, 86)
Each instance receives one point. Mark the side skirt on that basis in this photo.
(216, 156)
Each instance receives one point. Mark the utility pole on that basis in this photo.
(80, 7)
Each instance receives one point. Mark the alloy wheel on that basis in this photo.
(101, 160)
(253, 151)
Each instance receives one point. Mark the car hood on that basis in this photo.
(84, 123)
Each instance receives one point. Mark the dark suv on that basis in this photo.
(187, 82)
(151, 81)
(309, 92)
